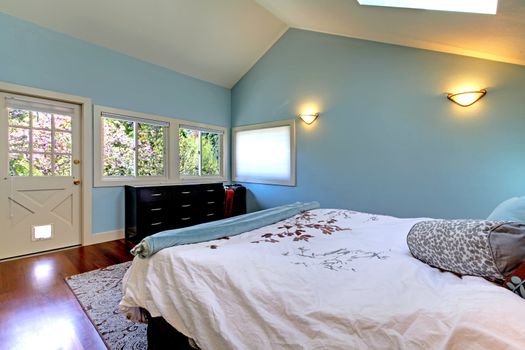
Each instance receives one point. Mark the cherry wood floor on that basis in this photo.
(37, 308)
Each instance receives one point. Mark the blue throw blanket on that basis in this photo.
(218, 229)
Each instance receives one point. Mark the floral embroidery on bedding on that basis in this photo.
(295, 227)
(304, 226)
(335, 260)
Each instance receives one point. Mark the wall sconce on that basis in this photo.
(308, 118)
(468, 98)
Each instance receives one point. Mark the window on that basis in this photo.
(265, 153)
(484, 7)
(199, 152)
(40, 139)
(132, 147)
(137, 148)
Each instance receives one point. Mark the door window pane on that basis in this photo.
(62, 165)
(42, 165)
(19, 164)
(42, 120)
(63, 122)
(19, 117)
(63, 142)
(18, 139)
(41, 141)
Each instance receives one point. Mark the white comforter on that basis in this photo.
(345, 280)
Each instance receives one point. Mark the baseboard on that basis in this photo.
(102, 237)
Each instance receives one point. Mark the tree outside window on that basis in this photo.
(199, 152)
(132, 148)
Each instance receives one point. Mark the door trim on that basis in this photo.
(86, 115)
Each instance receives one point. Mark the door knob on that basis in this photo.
(76, 161)
(76, 182)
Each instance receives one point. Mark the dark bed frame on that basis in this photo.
(162, 336)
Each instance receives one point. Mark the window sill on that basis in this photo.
(158, 181)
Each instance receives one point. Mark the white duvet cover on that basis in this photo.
(324, 279)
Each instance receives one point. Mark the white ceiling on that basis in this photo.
(220, 40)
(498, 37)
(213, 40)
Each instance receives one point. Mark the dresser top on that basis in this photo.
(175, 184)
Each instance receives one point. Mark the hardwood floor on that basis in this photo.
(37, 308)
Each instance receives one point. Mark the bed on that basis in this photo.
(322, 279)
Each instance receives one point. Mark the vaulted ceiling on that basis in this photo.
(220, 40)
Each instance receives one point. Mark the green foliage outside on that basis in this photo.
(119, 147)
(150, 143)
(48, 158)
(189, 153)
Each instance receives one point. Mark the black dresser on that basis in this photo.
(151, 209)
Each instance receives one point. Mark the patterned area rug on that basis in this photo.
(99, 293)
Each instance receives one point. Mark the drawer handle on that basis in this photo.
(210, 190)
(184, 219)
(156, 209)
(156, 223)
(186, 205)
(210, 214)
(156, 194)
(211, 202)
(186, 192)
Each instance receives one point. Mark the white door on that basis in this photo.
(39, 175)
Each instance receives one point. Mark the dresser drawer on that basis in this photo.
(211, 191)
(153, 212)
(212, 216)
(185, 191)
(212, 211)
(153, 225)
(183, 221)
(154, 194)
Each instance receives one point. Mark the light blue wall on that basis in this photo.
(33, 56)
(387, 140)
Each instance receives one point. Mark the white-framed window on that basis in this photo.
(138, 148)
(40, 136)
(200, 151)
(133, 147)
(264, 153)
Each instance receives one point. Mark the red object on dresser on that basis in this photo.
(228, 202)
(235, 200)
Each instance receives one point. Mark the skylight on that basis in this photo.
(471, 6)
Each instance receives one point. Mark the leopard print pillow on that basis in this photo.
(490, 249)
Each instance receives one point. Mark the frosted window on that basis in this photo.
(265, 155)
(470, 6)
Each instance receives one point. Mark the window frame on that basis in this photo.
(222, 136)
(293, 162)
(171, 156)
(50, 106)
